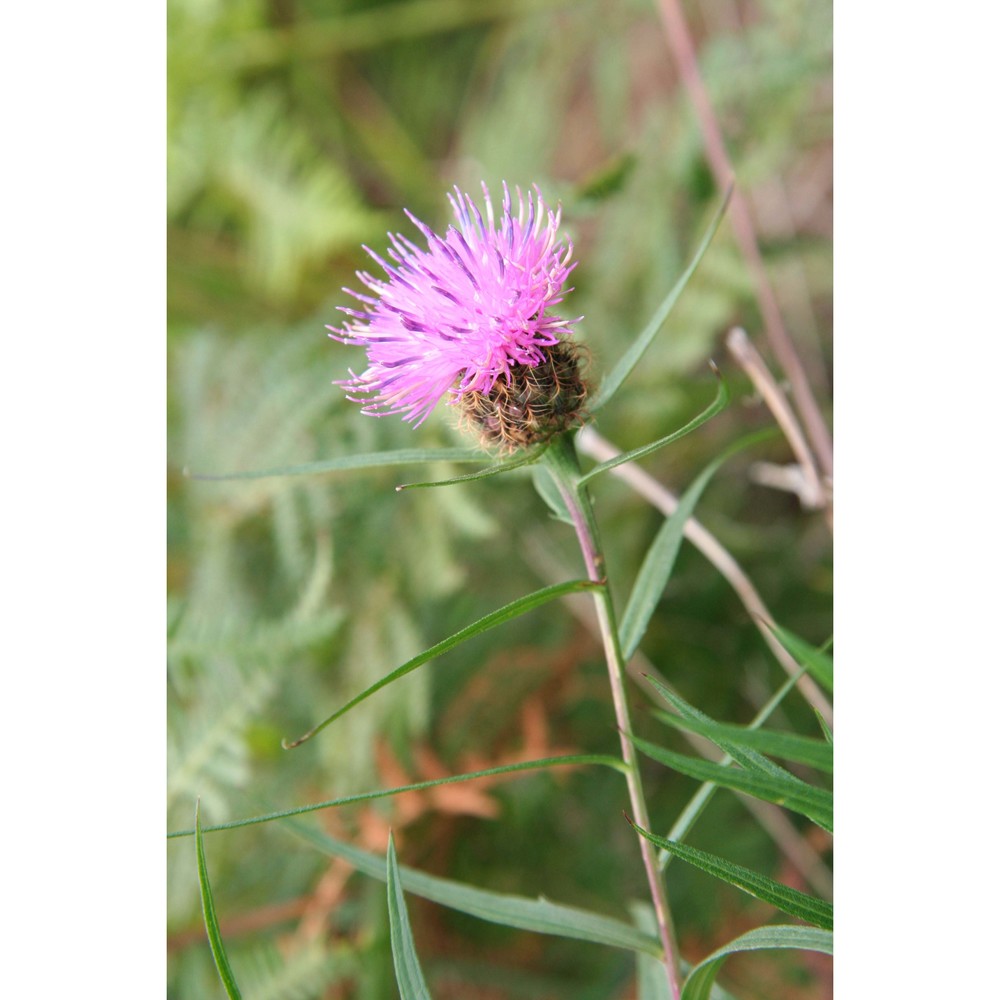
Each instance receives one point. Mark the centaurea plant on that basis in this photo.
(470, 320)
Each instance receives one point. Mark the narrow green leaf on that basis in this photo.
(750, 759)
(825, 728)
(699, 983)
(574, 760)
(787, 746)
(720, 402)
(798, 904)
(816, 803)
(528, 458)
(547, 489)
(538, 915)
(504, 614)
(819, 664)
(556, 481)
(344, 463)
(697, 803)
(650, 973)
(659, 562)
(613, 381)
(211, 921)
(409, 975)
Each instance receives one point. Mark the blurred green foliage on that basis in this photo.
(298, 130)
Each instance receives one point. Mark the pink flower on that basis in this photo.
(469, 311)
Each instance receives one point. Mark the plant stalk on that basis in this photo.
(561, 460)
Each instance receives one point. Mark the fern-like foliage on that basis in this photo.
(261, 182)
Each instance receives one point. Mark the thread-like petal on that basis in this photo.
(454, 318)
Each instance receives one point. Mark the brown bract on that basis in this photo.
(536, 403)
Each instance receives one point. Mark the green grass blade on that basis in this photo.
(816, 803)
(720, 402)
(494, 470)
(211, 921)
(787, 746)
(538, 915)
(798, 904)
(613, 381)
(818, 663)
(659, 562)
(409, 975)
(345, 463)
(698, 985)
(504, 614)
(573, 760)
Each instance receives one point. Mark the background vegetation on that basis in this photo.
(298, 130)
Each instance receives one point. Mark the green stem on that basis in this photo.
(562, 463)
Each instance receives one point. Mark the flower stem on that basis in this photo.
(562, 463)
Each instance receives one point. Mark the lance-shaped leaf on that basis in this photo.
(798, 904)
(208, 911)
(792, 793)
(787, 746)
(573, 760)
(621, 371)
(409, 975)
(699, 983)
(746, 744)
(698, 802)
(530, 458)
(538, 915)
(346, 463)
(720, 402)
(498, 617)
(659, 562)
(746, 757)
(826, 729)
(818, 663)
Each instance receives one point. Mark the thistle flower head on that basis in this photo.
(466, 317)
